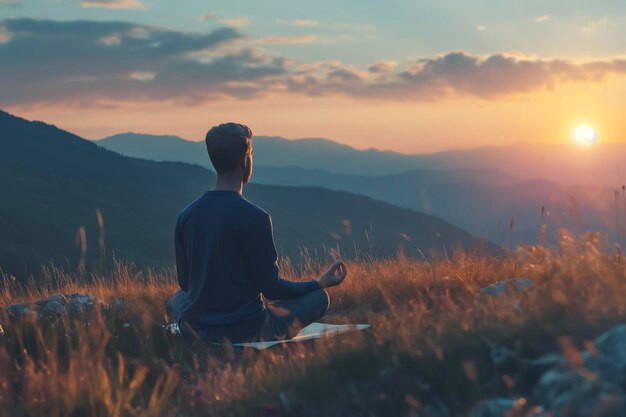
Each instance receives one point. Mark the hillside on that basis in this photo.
(438, 346)
(54, 183)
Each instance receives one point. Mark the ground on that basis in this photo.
(430, 351)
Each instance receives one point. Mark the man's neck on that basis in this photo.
(228, 183)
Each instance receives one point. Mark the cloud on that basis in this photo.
(453, 74)
(299, 22)
(481, 28)
(207, 16)
(237, 22)
(10, 3)
(99, 63)
(282, 40)
(595, 25)
(91, 62)
(142, 75)
(383, 66)
(543, 18)
(113, 4)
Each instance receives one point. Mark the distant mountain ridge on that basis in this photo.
(481, 200)
(599, 165)
(269, 151)
(62, 194)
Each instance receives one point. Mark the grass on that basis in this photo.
(429, 346)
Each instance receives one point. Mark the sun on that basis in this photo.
(585, 135)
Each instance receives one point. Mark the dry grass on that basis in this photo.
(429, 344)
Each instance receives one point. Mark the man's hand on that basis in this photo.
(334, 276)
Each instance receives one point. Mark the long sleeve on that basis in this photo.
(182, 268)
(263, 259)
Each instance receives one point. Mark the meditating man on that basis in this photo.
(226, 258)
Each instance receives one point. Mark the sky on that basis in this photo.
(406, 75)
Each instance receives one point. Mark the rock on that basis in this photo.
(589, 400)
(79, 306)
(82, 298)
(567, 392)
(59, 298)
(549, 360)
(610, 359)
(117, 305)
(559, 387)
(502, 357)
(554, 383)
(56, 305)
(499, 407)
(501, 288)
(18, 311)
(535, 368)
(52, 310)
(613, 343)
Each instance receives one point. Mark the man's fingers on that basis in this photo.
(336, 267)
(337, 272)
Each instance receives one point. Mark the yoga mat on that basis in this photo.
(312, 331)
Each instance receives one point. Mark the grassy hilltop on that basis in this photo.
(430, 347)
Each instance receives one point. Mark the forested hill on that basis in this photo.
(64, 199)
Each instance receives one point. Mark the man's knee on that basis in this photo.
(321, 300)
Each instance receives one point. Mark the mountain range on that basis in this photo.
(569, 164)
(70, 203)
(495, 193)
(481, 201)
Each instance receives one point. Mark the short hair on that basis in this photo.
(228, 145)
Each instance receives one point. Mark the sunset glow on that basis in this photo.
(300, 71)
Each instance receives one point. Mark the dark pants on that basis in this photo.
(282, 319)
(285, 318)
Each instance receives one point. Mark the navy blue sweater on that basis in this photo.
(225, 257)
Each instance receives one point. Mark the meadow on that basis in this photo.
(429, 351)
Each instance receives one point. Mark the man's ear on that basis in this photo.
(247, 168)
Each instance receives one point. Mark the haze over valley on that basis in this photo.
(503, 194)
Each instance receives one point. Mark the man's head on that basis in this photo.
(230, 149)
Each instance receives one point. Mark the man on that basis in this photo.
(226, 258)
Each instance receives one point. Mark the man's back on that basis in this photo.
(225, 258)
